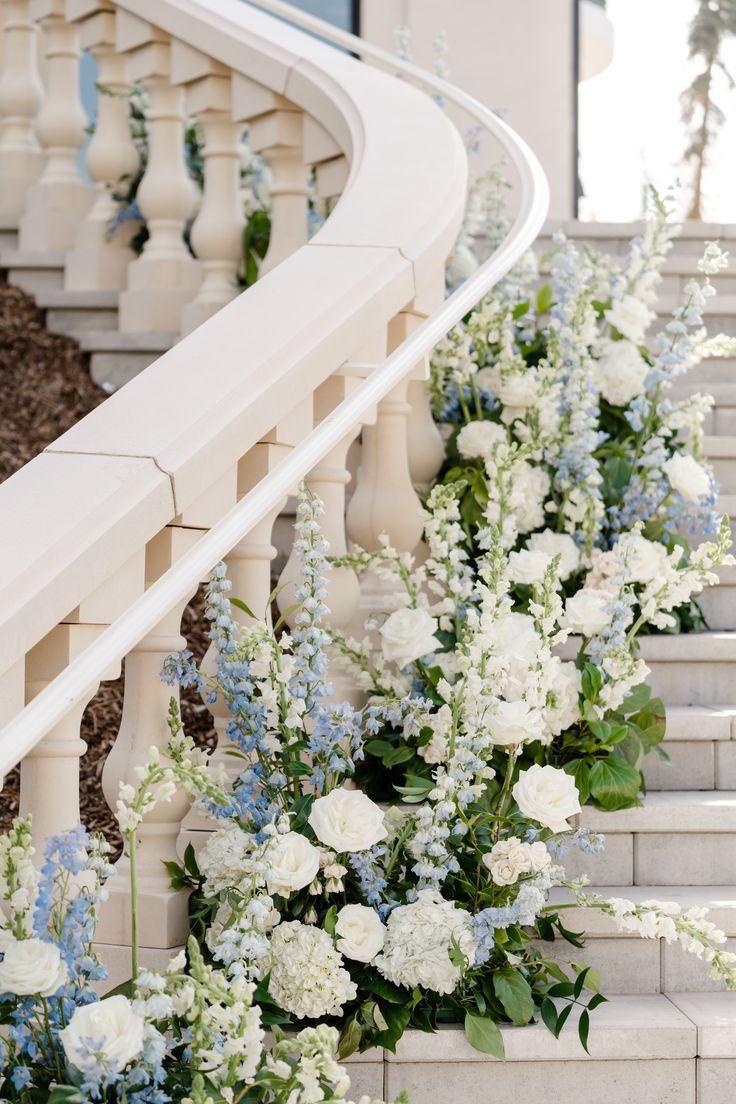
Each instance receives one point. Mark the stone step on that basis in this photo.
(33, 271)
(713, 370)
(69, 312)
(721, 420)
(721, 452)
(643, 1050)
(702, 751)
(676, 837)
(629, 964)
(8, 232)
(115, 357)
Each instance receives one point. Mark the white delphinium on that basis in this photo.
(308, 977)
(418, 941)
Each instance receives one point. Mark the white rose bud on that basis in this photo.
(408, 634)
(587, 612)
(360, 931)
(111, 1026)
(687, 477)
(548, 796)
(32, 967)
(293, 862)
(347, 820)
(477, 439)
(528, 566)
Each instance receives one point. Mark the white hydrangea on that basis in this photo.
(226, 860)
(419, 938)
(620, 371)
(630, 316)
(308, 978)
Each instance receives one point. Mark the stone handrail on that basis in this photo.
(122, 516)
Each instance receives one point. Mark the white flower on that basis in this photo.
(308, 978)
(514, 722)
(630, 317)
(563, 704)
(360, 931)
(620, 371)
(507, 859)
(587, 612)
(441, 725)
(528, 566)
(347, 820)
(408, 634)
(645, 560)
(557, 544)
(539, 856)
(687, 477)
(419, 938)
(226, 859)
(477, 439)
(293, 862)
(519, 391)
(31, 967)
(547, 795)
(111, 1027)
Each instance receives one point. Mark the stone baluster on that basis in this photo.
(49, 786)
(217, 231)
(100, 259)
(331, 167)
(21, 94)
(275, 131)
(426, 447)
(165, 276)
(60, 199)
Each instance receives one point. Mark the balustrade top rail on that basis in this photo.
(150, 451)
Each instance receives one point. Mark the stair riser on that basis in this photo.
(34, 280)
(8, 239)
(673, 283)
(712, 370)
(692, 682)
(68, 321)
(659, 858)
(113, 370)
(724, 469)
(693, 765)
(715, 323)
(716, 1080)
(719, 606)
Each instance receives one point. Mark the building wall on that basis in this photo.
(516, 56)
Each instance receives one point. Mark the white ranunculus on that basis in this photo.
(528, 566)
(557, 544)
(514, 722)
(587, 612)
(31, 967)
(293, 863)
(408, 634)
(645, 560)
(111, 1026)
(687, 477)
(630, 317)
(347, 820)
(360, 932)
(620, 371)
(476, 439)
(548, 796)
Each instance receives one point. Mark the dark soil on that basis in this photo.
(44, 389)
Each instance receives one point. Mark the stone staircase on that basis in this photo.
(664, 1027)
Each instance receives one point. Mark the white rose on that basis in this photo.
(408, 634)
(32, 967)
(547, 795)
(630, 317)
(645, 560)
(516, 391)
(539, 856)
(557, 544)
(361, 933)
(563, 705)
(476, 439)
(513, 722)
(687, 477)
(528, 566)
(111, 1026)
(293, 863)
(506, 860)
(347, 820)
(587, 612)
(620, 371)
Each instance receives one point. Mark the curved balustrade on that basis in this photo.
(110, 530)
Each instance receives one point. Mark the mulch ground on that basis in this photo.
(44, 389)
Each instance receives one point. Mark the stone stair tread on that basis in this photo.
(727, 504)
(669, 811)
(625, 1027)
(698, 647)
(26, 258)
(719, 900)
(723, 393)
(61, 299)
(115, 341)
(716, 307)
(8, 222)
(700, 722)
(719, 445)
(714, 1015)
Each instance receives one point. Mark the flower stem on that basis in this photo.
(132, 845)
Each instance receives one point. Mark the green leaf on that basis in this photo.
(636, 698)
(562, 1019)
(484, 1035)
(548, 1013)
(330, 920)
(396, 1017)
(350, 1039)
(65, 1094)
(370, 980)
(583, 1029)
(580, 770)
(515, 994)
(545, 298)
(242, 606)
(190, 861)
(614, 784)
(401, 754)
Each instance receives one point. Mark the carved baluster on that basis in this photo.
(165, 276)
(275, 131)
(426, 447)
(21, 93)
(217, 231)
(99, 259)
(60, 199)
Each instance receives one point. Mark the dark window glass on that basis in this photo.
(342, 13)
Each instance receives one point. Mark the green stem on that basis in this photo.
(132, 845)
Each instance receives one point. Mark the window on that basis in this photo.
(343, 13)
